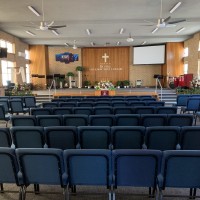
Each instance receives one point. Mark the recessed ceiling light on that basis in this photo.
(30, 33)
(88, 31)
(55, 32)
(175, 7)
(181, 29)
(121, 31)
(154, 30)
(32, 9)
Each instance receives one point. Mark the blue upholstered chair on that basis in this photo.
(5, 138)
(127, 119)
(49, 120)
(123, 110)
(61, 137)
(89, 167)
(50, 104)
(166, 110)
(3, 116)
(162, 137)
(41, 111)
(62, 111)
(83, 110)
(103, 110)
(127, 137)
(9, 170)
(27, 136)
(144, 110)
(153, 120)
(180, 120)
(75, 120)
(180, 169)
(137, 168)
(23, 120)
(41, 166)
(101, 120)
(94, 137)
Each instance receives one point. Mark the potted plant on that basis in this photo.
(70, 75)
(126, 83)
(79, 69)
(118, 84)
(87, 84)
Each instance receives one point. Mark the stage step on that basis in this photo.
(168, 96)
(43, 98)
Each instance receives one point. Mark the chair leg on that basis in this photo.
(37, 188)
(23, 192)
(73, 188)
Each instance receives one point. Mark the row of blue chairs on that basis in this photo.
(102, 103)
(102, 137)
(111, 169)
(103, 120)
(104, 110)
(182, 99)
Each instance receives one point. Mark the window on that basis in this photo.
(8, 45)
(185, 70)
(7, 70)
(27, 73)
(27, 55)
(186, 52)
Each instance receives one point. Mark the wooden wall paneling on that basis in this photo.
(115, 68)
(39, 64)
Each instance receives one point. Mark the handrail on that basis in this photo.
(53, 84)
(161, 88)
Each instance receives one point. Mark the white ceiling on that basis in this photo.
(103, 17)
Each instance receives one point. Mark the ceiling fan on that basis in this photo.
(165, 22)
(74, 46)
(130, 38)
(45, 25)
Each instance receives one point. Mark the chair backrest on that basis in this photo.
(136, 168)
(42, 166)
(190, 138)
(16, 106)
(162, 138)
(123, 110)
(41, 111)
(88, 167)
(49, 104)
(61, 137)
(27, 136)
(101, 120)
(144, 110)
(62, 111)
(8, 168)
(58, 100)
(181, 99)
(23, 120)
(49, 120)
(75, 120)
(137, 103)
(166, 110)
(155, 103)
(180, 120)
(102, 103)
(2, 112)
(83, 110)
(127, 119)
(119, 103)
(180, 168)
(30, 101)
(5, 138)
(74, 99)
(153, 120)
(85, 104)
(103, 110)
(97, 137)
(193, 104)
(5, 103)
(131, 137)
(67, 104)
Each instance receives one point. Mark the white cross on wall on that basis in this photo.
(105, 57)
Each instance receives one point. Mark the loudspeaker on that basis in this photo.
(3, 52)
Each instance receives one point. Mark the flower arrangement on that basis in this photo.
(104, 85)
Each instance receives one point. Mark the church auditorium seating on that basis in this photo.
(49, 120)
(75, 120)
(153, 120)
(62, 111)
(83, 110)
(5, 137)
(127, 119)
(22, 120)
(40, 111)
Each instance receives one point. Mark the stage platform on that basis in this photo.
(91, 92)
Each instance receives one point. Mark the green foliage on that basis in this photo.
(20, 90)
(79, 68)
(87, 83)
(126, 82)
(70, 74)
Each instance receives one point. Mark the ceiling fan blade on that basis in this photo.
(167, 19)
(61, 26)
(50, 24)
(170, 25)
(177, 21)
(148, 21)
(51, 29)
